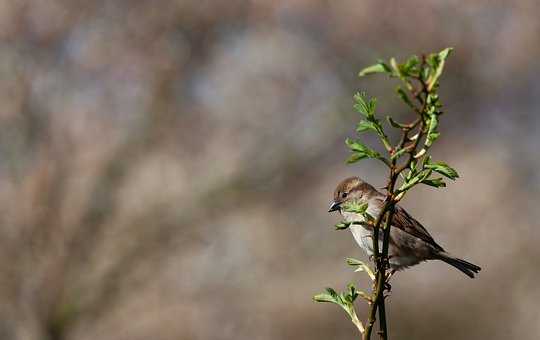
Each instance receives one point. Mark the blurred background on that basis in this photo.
(166, 167)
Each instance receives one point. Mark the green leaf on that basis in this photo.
(426, 161)
(404, 97)
(410, 67)
(355, 145)
(345, 300)
(416, 178)
(357, 207)
(437, 63)
(354, 207)
(367, 107)
(368, 217)
(432, 137)
(354, 262)
(413, 166)
(443, 169)
(342, 225)
(329, 296)
(425, 73)
(445, 53)
(395, 124)
(433, 60)
(365, 125)
(373, 125)
(360, 151)
(380, 67)
(434, 182)
(398, 153)
(361, 267)
(355, 157)
(433, 101)
(432, 133)
(364, 105)
(395, 66)
(352, 294)
(322, 297)
(410, 173)
(399, 72)
(332, 292)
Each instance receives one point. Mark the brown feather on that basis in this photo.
(401, 219)
(408, 224)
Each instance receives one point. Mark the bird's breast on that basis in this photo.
(363, 236)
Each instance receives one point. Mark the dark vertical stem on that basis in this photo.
(381, 261)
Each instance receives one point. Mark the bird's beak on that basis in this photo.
(334, 206)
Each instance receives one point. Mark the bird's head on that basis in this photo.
(349, 190)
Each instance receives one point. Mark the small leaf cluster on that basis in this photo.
(418, 90)
(345, 300)
(355, 207)
(427, 72)
(360, 151)
(413, 67)
(421, 174)
(366, 107)
(342, 225)
(361, 267)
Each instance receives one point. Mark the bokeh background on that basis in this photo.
(166, 167)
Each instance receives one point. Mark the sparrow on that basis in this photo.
(409, 243)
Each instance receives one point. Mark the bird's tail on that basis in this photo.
(467, 268)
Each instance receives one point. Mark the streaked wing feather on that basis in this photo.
(408, 224)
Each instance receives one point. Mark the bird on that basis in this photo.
(409, 243)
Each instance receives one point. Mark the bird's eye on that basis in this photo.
(343, 195)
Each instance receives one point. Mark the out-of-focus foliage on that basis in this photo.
(166, 166)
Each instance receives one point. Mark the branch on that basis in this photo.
(381, 257)
(417, 168)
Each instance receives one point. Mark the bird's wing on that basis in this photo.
(408, 224)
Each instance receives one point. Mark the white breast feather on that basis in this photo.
(363, 236)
